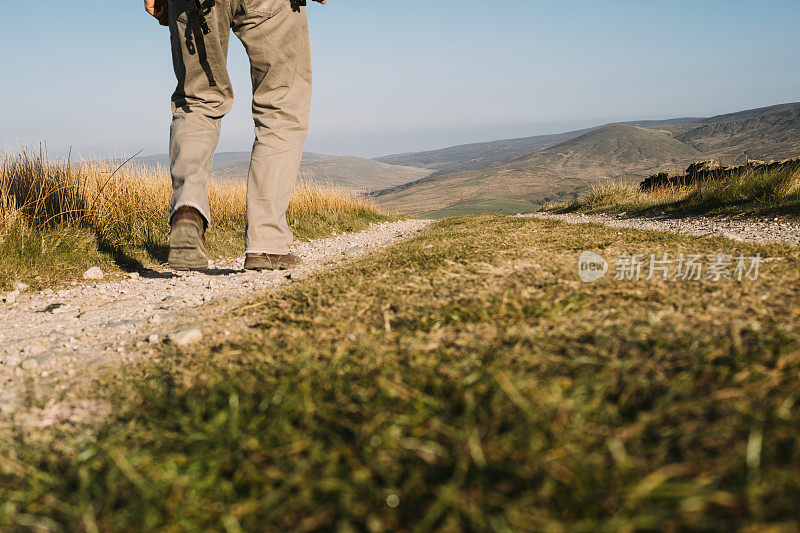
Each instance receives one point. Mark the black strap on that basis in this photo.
(199, 27)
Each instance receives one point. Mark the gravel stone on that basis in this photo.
(354, 251)
(94, 273)
(11, 297)
(29, 364)
(187, 336)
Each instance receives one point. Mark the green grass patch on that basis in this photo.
(757, 193)
(503, 207)
(464, 380)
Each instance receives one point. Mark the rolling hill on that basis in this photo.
(358, 174)
(562, 171)
(768, 133)
(481, 155)
(353, 173)
(478, 155)
(619, 151)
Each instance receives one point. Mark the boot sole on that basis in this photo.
(186, 249)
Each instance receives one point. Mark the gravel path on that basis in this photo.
(739, 229)
(52, 341)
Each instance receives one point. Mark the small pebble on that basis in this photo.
(354, 250)
(11, 297)
(187, 336)
(94, 273)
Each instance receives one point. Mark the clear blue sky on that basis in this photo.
(408, 74)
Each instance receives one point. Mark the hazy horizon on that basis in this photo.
(423, 140)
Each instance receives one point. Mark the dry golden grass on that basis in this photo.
(126, 204)
(125, 201)
(43, 204)
(756, 192)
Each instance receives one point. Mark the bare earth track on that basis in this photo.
(52, 341)
(759, 230)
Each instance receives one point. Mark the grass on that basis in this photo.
(766, 193)
(475, 206)
(58, 219)
(463, 380)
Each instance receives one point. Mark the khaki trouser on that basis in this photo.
(275, 36)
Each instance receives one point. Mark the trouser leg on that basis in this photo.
(202, 97)
(278, 47)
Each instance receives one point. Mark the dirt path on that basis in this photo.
(52, 341)
(763, 230)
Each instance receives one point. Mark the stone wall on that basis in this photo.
(712, 171)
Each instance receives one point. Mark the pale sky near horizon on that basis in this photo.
(406, 75)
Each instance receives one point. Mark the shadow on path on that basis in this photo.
(158, 252)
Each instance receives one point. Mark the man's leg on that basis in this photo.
(203, 96)
(277, 44)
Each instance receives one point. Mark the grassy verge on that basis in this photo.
(756, 193)
(56, 220)
(464, 380)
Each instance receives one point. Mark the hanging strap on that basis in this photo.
(199, 27)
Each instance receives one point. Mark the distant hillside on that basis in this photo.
(564, 170)
(481, 155)
(359, 174)
(771, 133)
(236, 165)
(478, 155)
(225, 163)
(617, 151)
(754, 113)
(350, 172)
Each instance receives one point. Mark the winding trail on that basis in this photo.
(758, 230)
(55, 340)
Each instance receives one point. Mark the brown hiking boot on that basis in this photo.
(187, 240)
(271, 262)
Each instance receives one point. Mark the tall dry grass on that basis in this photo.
(57, 218)
(127, 205)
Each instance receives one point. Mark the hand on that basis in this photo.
(321, 1)
(159, 9)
